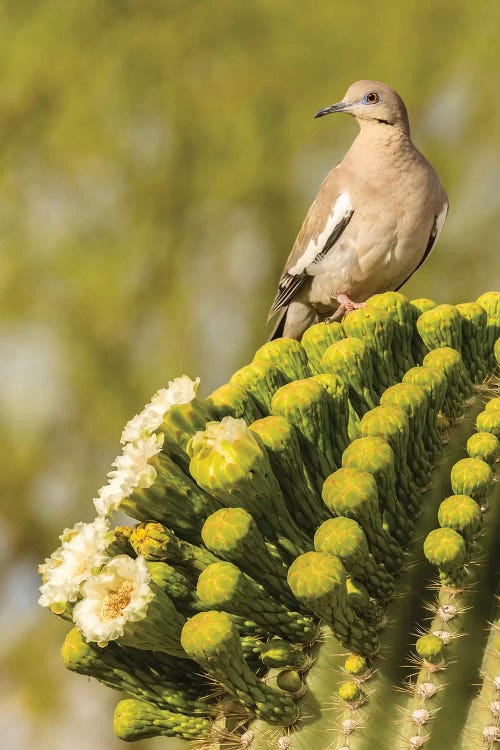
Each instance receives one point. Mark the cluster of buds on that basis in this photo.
(280, 507)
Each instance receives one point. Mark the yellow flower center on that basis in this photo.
(114, 603)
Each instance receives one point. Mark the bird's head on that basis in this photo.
(371, 101)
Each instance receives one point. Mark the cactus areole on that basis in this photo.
(312, 564)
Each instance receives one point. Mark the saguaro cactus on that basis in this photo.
(313, 565)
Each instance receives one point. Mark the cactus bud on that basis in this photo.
(397, 307)
(462, 513)
(446, 549)
(290, 681)
(472, 476)
(489, 421)
(490, 301)
(231, 400)
(459, 386)
(376, 330)
(211, 639)
(277, 653)
(430, 647)
(137, 720)
(157, 542)
(352, 360)
(318, 338)
(356, 665)
(441, 326)
(349, 691)
(262, 379)
(485, 446)
(475, 350)
(287, 355)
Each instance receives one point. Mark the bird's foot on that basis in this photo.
(346, 305)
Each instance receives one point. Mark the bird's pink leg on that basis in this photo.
(346, 305)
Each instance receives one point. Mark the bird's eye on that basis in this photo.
(372, 98)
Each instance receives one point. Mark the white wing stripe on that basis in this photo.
(340, 210)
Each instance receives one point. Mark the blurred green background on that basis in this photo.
(157, 159)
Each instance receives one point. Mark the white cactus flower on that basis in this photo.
(119, 594)
(63, 573)
(181, 390)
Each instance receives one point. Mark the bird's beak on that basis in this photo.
(339, 107)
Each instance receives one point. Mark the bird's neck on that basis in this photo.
(379, 140)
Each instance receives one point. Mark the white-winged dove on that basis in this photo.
(376, 217)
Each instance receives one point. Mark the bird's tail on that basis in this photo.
(279, 326)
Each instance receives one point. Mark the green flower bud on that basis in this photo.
(493, 403)
(338, 412)
(318, 338)
(430, 647)
(391, 424)
(211, 639)
(352, 360)
(374, 455)
(490, 301)
(397, 307)
(262, 379)
(230, 461)
(287, 355)
(376, 330)
(359, 600)
(353, 493)
(119, 541)
(233, 535)
(434, 383)
(319, 580)
(349, 691)
(475, 351)
(223, 586)
(231, 400)
(445, 549)
(459, 385)
(282, 444)
(345, 539)
(128, 670)
(419, 306)
(306, 405)
(278, 653)
(484, 445)
(355, 665)
(489, 421)
(290, 681)
(180, 423)
(414, 401)
(157, 542)
(463, 514)
(137, 720)
(472, 476)
(441, 326)
(496, 352)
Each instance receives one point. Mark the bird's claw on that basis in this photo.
(346, 305)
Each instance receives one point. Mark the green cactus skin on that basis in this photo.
(223, 586)
(396, 306)
(359, 600)
(353, 493)
(338, 412)
(159, 543)
(287, 355)
(119, 542)
(414, 401)
(138, 720)
(176, 585)
(127, 670)
(231, 400)
(391, 424)
(352, 360)
(238, 472)
(374, 455)
(319, 581)
(180, 423)
(446, 549)
(317, 339)
(459, 385)
(344, 538)
(262, 379)
(474, 339)
(490, 301)
(376, 330)
(282, 444)
(484, 445)
(174, 499)
(441, 326)
(233, 535)
(472, 476)
(290, 681)
(434, 383)
(461, 513)
(306, 405)
(211, 639)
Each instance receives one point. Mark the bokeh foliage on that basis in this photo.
(156, 162)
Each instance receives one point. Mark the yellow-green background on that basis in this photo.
(156, 161)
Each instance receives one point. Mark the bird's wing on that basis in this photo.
(437, 228)
(327, 218)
